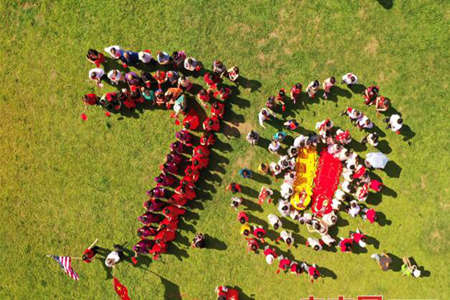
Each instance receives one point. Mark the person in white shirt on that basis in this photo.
(364, 122)
(328, 240)
(312, 88)
(354, 208)
(371, 139)
(347, 187)
(233, 73)
(330, 219)
(274, 221)
(343, 154)
(305, 219)
(275, 169)
(114, 51)
(352, 113)
(163, 58)
(274, 146)
(324, 126)
(115, 76)
(286, 237)
(145, 56)
(294, 214)
(395, 123)
(190, 64)
(313, 243)
(263, 115)
(114, 256)
(284, 207)
(290, 177)
(349, 79)
(300, 141)
(286, 190)
(96, 75)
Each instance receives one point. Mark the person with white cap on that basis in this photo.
(270, 254)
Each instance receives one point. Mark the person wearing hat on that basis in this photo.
(246, 229)
(252, 245)
(284, 264)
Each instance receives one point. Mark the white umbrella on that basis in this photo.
(377, 160)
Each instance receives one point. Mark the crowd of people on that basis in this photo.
(169, 87)
(354, 188)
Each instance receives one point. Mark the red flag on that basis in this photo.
(120, 289)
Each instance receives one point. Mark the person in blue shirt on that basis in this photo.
(279, 136)
(245, 173)
(129, 58)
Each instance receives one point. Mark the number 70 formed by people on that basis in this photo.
(345, 298)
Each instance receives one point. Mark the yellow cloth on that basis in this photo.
(306, 171)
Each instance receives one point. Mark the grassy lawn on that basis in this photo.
(65, 182)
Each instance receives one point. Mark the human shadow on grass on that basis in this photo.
(233, 118)
(251, 205)
(179, 253)
(242, 295)
(223, 147)
(327, 273)
(246, 190)
(374, 198)
(392, 169)
(370, 240)
(215, 244)
(263, 142)
(383, 146)
(230, 131)
(407, 133)
(246, 83)
(171, 289)
(261, 178)
(382, 219)
(387, 4)
(357, 88)
(396, 263)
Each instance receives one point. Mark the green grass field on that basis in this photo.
(65, 182)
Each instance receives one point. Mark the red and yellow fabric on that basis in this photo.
(306, 171)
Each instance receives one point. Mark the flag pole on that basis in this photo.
(93, 244)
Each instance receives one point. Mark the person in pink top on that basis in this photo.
(327, 85)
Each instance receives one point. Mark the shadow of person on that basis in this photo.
(423, 272)
(242, 295)
(388, 192)
(407, 133)
(396, 263)
(171, 290)
(383, 146)
(215, 244)
(249, 191)
(253, 85)
(382, 220)
(374, 198)
(370, 240)
(261, 179)
(223, 147)
(337, 91)
(325, 272)
(392, 169)
(357, 88)
(178, 252)
(230, 131)
(251, 205)
(387, 4)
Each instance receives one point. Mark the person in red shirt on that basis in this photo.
(201, 151)
(223, 93)
(166, 235)
(172, 212)
(295, 268)
(280, 99)
(95, 57)
(147, 231)
(313, 272)
(204, 96)
(89, 254)
(158, 248)
(296, 90)
(154, 205)
(212, 80)
(199, 163)
(234, 188)
(160, 77)
(171, 224)
(270, 254)
(90, 99)
(192, 174)
(242, 217)
(284, 264)
(211, 124)
(218, 109)
(375, 185)
(222, 292)
(191, 121)
(208, 139)
(371, 94)
(252, 245)
(369, 214)
(259, 233)
(346, 245)
(358, 237)
(147, 218)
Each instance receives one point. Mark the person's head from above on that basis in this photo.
(288, 241)
(236, 70)
(210, 122)
(93, 75)
(242, 220)
(317, 226)
(113, 50)
(332, 80)
(84, 257)
(260, 234)
(189, 61)
(202, 92)
(187, 125)
(159, 179)
(215, 105)
(298, 85)
(316, 247)
(367, 122)
(353, 204)
(246, 232)
(125, 55)
(316, 83)
(276, 225)
(400, 121)
(271, 99)
(315, 275)
(281, 93)
(277, 168)
(253, 247)
(375, 90)
(222, 298)
(269, 259)
(218, 63)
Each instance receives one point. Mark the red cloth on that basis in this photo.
(328, 172)
(242, 215)
(100, 59)
(371, 215)
(91, 99)
(120, 289)
(358, 237)
(344, 244)
(193, 119)
(284, 264)
(270, 251)
(375, 185)
(89, 255)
